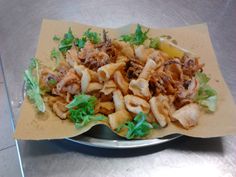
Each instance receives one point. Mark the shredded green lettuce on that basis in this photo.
(92, 36)
(139, 127)
(88, 35)
(81, 110)
(202, 78)
(81, 42)
(209, 102)
(206, 96)
(31, 77)
(55, 54)
(67, 41)
(136, 38)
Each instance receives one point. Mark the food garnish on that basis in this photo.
(31, 78)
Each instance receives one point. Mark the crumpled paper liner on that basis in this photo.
(35, 126)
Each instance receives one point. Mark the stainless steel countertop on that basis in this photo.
(19, 30)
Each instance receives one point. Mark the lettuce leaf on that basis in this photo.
(80, 42)
(67, 41)
(55, 54)
(81, 110)
(206, 96)
(31, 78)
(209, 102)
(92, 36)
(137, 128)
(136, 38)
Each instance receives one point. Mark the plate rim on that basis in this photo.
(120, 144)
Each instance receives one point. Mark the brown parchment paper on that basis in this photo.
(34, 126)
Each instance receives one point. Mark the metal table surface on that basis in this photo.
(19, 30)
